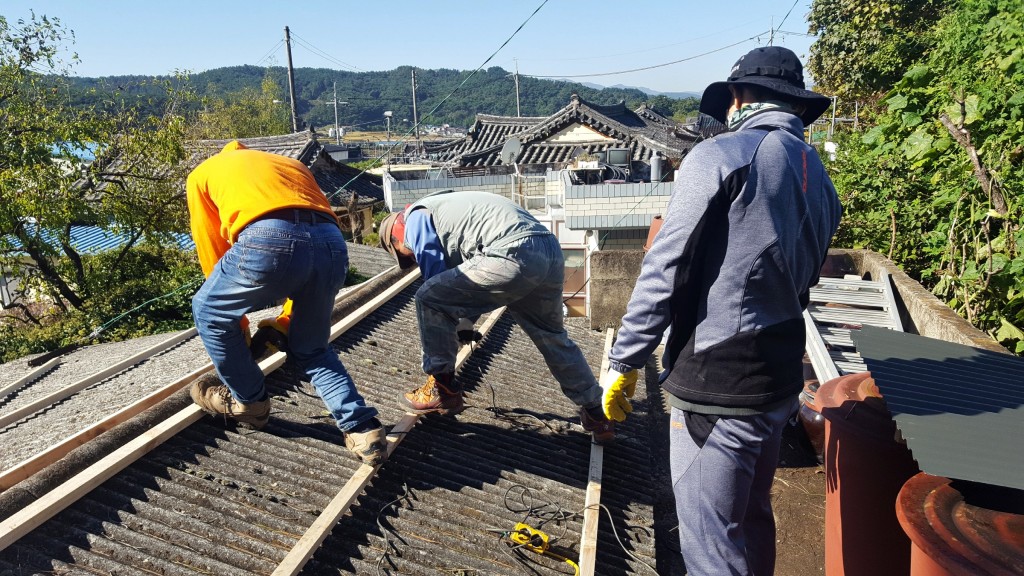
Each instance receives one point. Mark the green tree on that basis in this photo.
(246, 113)
(865, 46)
(46, 187)
(937, 181)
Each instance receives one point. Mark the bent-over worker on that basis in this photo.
(479, 251)
(264, 232)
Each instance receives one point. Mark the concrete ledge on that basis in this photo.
(613, 274)
(921, 312)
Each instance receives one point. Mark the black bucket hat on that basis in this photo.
(773, 68)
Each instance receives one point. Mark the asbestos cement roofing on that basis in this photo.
(959, 408)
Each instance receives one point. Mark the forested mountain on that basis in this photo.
(369, 94)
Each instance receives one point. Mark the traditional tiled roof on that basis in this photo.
(643, 131)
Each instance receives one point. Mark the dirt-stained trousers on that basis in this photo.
(527, 277)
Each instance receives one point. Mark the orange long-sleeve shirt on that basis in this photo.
(234, 187)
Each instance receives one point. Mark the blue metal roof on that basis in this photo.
(93, 239)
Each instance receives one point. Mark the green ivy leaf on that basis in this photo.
(874, 136)
(911, 119)
(897, 102)
(918, 144)
(971, 109)
(1008, 331)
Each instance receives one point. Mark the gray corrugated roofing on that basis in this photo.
(960, 409)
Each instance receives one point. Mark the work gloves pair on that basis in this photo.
(617, 388)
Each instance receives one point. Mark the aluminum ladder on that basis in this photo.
(838, 306)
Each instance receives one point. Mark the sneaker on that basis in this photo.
(440, 394)
(601, 429)
(370, 444)
(215, 398)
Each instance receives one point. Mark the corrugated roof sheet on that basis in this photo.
(93, 239)
(960, 409)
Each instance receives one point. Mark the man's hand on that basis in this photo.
(466, 332)
(617, 388)
(271, 336)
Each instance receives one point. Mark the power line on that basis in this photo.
(309, 46)
(402, 140)
(270, 52)
(758, 35)
(715, 34)
(787, 15)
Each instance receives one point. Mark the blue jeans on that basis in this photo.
(274, 259)
(723, 492)
(526, 276)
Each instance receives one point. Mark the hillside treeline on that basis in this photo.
(367, 95)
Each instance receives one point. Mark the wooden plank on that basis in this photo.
(84, 383)
(592, 504)
(366, 309)
(47, 506)
(37, 462)
(44, 508)
(41, 460)
(17, 384)
(321, 527)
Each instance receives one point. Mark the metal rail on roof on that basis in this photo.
(839, 306)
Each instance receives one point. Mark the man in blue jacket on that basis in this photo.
(745, 234)
(479, 251)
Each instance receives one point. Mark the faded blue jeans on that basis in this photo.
(526, 276)
(304, 259)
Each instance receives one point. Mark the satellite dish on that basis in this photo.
(510, 151)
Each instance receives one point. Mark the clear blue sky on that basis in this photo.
(566, 38)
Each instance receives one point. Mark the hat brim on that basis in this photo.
(717, 98)
(386, 226)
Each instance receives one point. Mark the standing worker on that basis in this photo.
(264, 231)
(479, 251)
(745, 234)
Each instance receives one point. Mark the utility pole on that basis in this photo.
(337, 134)
(291, 78)
(415, 118)
(518, 113)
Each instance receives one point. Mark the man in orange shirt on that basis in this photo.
(264, 231)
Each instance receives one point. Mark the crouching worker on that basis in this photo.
(479, 252)
(264, 231)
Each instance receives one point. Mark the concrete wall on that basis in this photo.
(622, 239)
(615, 205)
(613, 274)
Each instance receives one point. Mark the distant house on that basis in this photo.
(596, 175)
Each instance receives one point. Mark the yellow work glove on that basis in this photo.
(617, 388)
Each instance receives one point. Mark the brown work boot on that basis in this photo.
(601, 429)
(440, 394)
(214, 397)
(369, 444)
